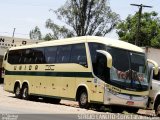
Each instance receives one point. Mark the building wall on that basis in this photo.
(8, 42)
(153, 54)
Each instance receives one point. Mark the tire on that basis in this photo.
(83, 99)
(25, 94)
(157, 109)
(17, 91)
(116, 109)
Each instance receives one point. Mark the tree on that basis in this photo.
(83, 17)
(149, 30)
(48, 37)
(58, 31)
(35, 34)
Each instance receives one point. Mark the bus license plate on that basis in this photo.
(130, 103)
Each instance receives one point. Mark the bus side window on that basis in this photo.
(50, 54)
(63, 54)
(14, 56)
(39, 56)
(22, 56)
(78, 54)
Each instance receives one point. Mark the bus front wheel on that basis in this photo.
(157, 109)
(83, 99)
(25, 94)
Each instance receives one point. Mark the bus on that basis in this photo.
(89, 69)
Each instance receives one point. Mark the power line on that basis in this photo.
(14, 33)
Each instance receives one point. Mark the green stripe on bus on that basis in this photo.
(59, 74)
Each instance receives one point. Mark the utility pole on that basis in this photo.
(139, 21)
(13, 32)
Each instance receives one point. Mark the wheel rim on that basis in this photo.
(158, 110)
(25, 92)
(17, 92)
(83, 98)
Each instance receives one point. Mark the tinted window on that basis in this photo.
(50, 54)
(14, 56)
(63, 54)
(93, 47)
(39, 57)
(28, 56)
(137, 62)
(99, 61)
(120, 58)
(78, 54)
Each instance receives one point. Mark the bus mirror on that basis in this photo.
(108, 56)
(155, 66)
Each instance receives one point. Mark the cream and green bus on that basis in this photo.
(90, 70)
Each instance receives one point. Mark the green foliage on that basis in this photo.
(83, 17)
(49, 37)
(149, 30)
(58, 31)
(35, 34)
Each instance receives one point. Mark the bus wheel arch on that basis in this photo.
(82, 97)
(17, 90)
(25, 91)
(157, 105)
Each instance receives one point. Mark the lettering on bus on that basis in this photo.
(116, 89)
(24, 67)
(36, 67)
(30, 67)
(15, 67)
(20, 67)
(49, 67)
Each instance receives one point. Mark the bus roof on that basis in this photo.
(103, 40)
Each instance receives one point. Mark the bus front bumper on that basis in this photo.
(125, 100)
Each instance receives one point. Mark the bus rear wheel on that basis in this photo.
(17, 91)
(83, 99)
(25, 94)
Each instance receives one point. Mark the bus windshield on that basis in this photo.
(129, 70)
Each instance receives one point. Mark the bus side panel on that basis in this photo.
(52, 88)
(9, 83)
(97, 90)
(65, 79)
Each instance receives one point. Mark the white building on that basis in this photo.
(8, 42)
(153, 53)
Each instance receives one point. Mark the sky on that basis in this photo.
(24, 15)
